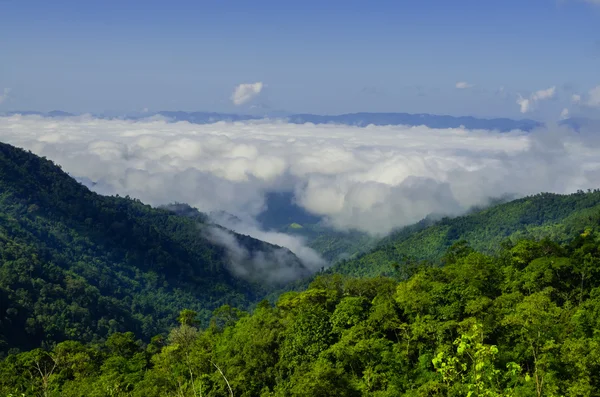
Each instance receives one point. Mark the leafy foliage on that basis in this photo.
(523, 322)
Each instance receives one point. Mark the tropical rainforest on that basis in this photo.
(106, 296)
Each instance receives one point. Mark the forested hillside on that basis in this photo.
(523, 322)
(544, 215)
(77, 265)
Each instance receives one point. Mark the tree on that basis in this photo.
(534, 323)
(472, 368)
(188, 317)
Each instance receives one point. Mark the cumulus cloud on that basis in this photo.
(4, 95)
(594, 97)
(528, 104)
(245, 92)
(524, 103)
(590, 99)
(463, 85)
(564, 114)
(373, 179)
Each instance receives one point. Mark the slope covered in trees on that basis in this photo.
(548, 215)
(78, 265)
(524, 322)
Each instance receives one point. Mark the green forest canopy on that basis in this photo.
(524, 322)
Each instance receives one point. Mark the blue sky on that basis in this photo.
(311, 56)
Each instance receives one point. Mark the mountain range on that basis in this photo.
(353, 119)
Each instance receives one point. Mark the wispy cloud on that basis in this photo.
(594, 97)
(247, 226)
(528, 104)
(243, 93)
(463, 85)
(4, 95)
(273, 265)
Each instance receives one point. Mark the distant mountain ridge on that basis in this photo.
(544, 215)
(428, 120)
(354, 119)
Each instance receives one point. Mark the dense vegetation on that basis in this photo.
(524, 322)
(553, 216)
(78, 265)
(333, 245)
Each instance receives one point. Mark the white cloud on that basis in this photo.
(245, 92)
(374, 179)
(564, 114)
(4, 95)
(524, 104)
(544, 94)
(527, 104)
(463, 85)
(272, 265)
(590, 99)
(594, 97)
(248, 226)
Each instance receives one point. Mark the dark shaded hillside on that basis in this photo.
(74, 264)
(543, 215)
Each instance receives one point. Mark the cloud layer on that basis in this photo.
(372, 179)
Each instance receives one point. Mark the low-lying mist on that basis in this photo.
(269, 265)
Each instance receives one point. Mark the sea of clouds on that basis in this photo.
(373, 179)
